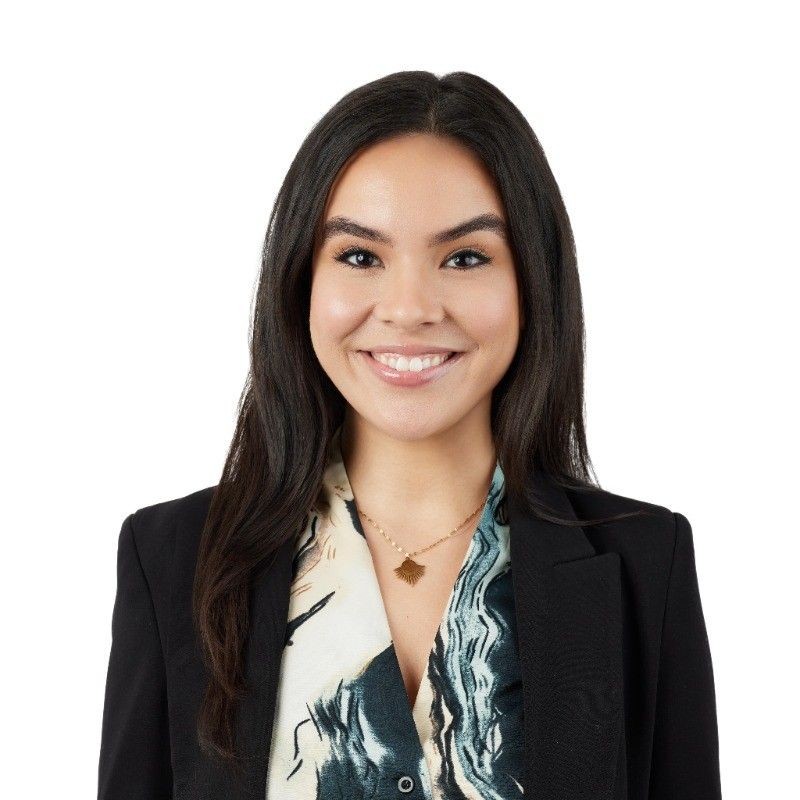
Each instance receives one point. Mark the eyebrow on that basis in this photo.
(483, 222)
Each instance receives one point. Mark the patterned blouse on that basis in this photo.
(343, 725)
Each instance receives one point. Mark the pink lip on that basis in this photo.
(409, 350)
(395, 378)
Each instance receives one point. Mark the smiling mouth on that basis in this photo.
(410, 371)
(418, 363)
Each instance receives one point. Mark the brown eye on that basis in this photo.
(359, 258)
(362, 258)
(471, 253)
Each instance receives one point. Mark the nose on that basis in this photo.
(409, 297)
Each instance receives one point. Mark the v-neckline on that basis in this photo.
(336, 475)
(443, 618)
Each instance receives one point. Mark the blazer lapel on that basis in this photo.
(568, 612)
(569, 626)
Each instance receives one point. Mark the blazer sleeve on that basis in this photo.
(685, 760)
(134, 751)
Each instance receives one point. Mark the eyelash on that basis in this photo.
(343, 255)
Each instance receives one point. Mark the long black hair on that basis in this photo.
(289, 408)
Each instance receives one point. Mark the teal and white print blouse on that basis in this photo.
(343, 726)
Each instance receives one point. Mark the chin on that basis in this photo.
(408, 424)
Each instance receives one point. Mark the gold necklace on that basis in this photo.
(410, 571)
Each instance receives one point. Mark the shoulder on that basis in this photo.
(156, 519)
(646, 539)
(656, 552)
(168, 529)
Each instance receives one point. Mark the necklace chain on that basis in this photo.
(410, 571)
(424, 549)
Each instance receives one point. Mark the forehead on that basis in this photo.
(415, 183)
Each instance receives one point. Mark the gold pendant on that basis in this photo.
(410, 571)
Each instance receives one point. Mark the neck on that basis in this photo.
(419, 489)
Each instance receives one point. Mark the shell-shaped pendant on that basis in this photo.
(410, 571)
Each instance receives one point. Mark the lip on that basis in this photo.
(409, 350)
(421, 378)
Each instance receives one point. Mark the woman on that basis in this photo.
(406, 583)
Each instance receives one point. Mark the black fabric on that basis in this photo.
(618, 683)
(685, 735)
(135, 754)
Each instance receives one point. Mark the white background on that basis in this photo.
(143, 144)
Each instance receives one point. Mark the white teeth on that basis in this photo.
(415, 364)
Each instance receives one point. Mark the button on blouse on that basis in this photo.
(343, 726)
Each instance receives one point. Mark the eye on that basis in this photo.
(345, 255)
(364, 258)
(471, 253)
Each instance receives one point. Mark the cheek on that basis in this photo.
(335, 309)
(491, 317)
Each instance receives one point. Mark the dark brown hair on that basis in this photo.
(289, 408)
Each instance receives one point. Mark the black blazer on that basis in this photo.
(618, 686)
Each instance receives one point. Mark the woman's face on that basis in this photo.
(392, 269)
